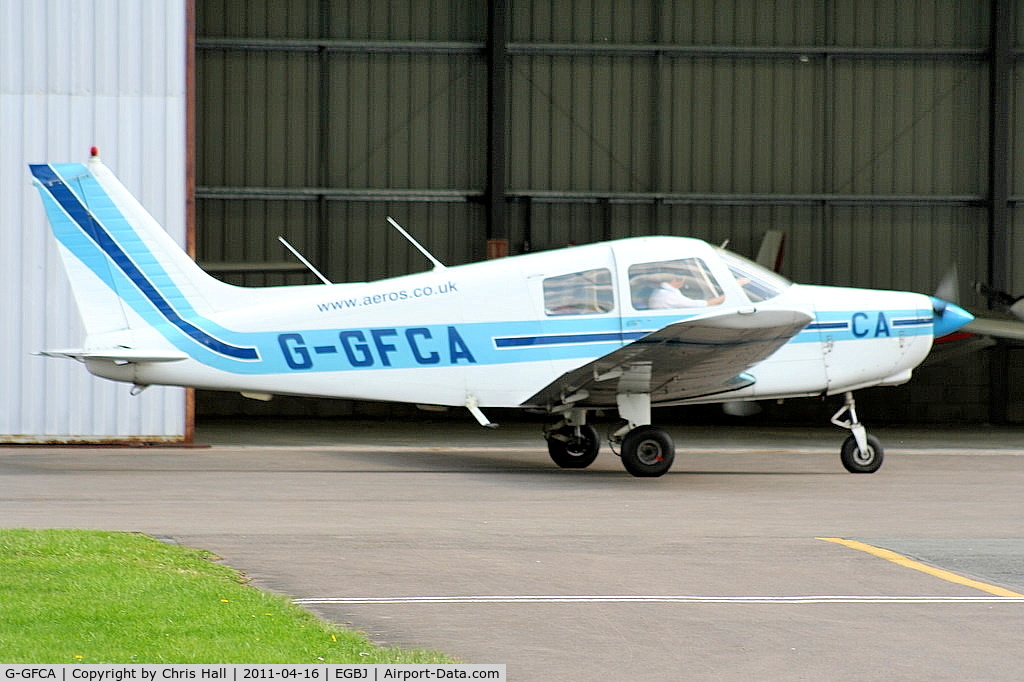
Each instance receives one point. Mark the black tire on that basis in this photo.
(648, 451)
(857, 462)
(570, 450)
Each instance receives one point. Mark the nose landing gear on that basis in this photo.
(861, 453)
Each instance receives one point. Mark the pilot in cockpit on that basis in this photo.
(668, 294)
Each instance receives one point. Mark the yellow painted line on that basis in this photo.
(924, 568)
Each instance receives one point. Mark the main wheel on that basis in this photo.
(857, 462)
(648, 451)
(572, 449)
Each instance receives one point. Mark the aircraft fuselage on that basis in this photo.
(483, 330)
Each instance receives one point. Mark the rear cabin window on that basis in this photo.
(682, 283)
(580, 293)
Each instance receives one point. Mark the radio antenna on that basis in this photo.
(302, 259)
(438, 265)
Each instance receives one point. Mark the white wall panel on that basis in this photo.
(77, 73)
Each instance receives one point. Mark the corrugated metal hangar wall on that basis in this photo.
(75, 74)
(880, 136)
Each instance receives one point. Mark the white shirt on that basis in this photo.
(667, 296)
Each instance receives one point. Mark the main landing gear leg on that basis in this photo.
(861, 453)
(646, 450)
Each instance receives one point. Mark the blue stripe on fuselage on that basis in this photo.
(858, 325)
(565, 339)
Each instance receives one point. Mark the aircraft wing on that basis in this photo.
(121, 356)
(697, 357)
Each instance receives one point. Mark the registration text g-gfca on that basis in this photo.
(31, 674)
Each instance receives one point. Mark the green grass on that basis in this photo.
(92, 597)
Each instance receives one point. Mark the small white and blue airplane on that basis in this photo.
(629, 325)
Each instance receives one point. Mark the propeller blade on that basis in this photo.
(949, 286)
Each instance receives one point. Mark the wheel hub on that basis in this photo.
(649, 452)
(864, 457)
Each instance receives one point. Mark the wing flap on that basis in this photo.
(698, 357)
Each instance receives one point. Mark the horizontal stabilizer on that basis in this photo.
(121, 356)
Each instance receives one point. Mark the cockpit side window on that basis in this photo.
(580, 293)
(758, 283)
(682, 283)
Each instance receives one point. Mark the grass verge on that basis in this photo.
(70, 596)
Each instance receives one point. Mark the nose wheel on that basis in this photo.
(861, 453)
(858, 461)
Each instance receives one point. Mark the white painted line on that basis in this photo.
(658, 599)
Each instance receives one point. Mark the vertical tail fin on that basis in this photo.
(115, 252)
(93, 279)
(126, 272)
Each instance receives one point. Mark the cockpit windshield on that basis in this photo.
(758, 283)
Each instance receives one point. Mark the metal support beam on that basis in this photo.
(334, 45)
(497, 77)
(795, 51)
(592, 197)
(600, 49)
(190, 179)
(745, 199)
(447, 196)
(1000, 83)
(323, 124)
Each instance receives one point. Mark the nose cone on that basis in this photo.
(948, 317)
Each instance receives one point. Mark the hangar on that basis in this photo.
(878, 135)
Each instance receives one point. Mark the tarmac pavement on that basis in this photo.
(471, 541)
